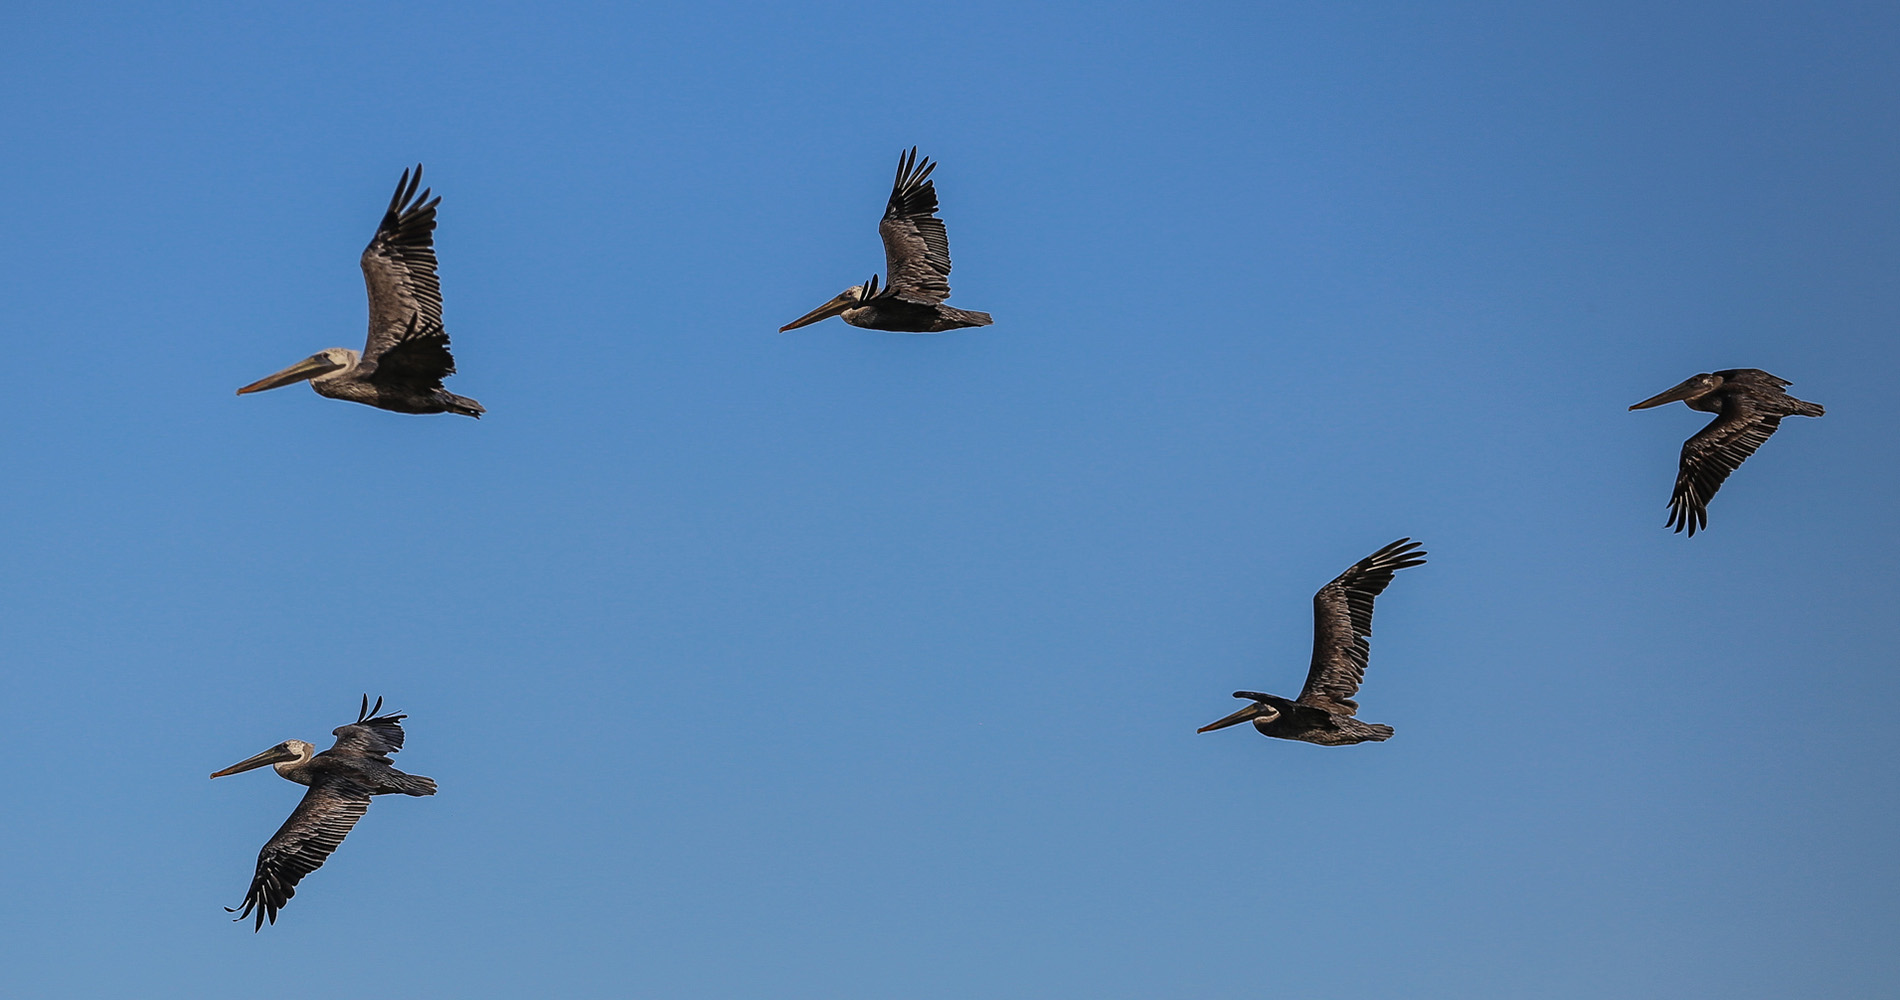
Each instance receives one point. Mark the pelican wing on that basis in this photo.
(371, 735)
(1756, 380)
(916, 248)
(319, 823)
(399, 269)
(1342, 620)
(1715, 451)
(419, 357)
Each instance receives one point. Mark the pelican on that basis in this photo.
(1751, 404)
(1342, 619)
(403, 364)
(917, 257)
(341, 780)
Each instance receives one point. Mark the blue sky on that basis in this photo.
(845, 664)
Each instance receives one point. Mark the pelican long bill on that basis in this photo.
(1688, 389)
(308, 368)
(1244, 715)
(833, 308)
(275, 754)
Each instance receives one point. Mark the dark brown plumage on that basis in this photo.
(917, 260)
(1750, 404)
(916, 246)
(341, 781)
(406, 356)
(1342, 621)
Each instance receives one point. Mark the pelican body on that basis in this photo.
(341, 781)
(405, 359)
(1342, 621)
(917, 258)
(1750, 404)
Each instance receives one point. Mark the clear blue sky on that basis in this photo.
(844, 664)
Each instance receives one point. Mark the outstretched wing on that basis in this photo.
(371, 735)
(1342, 620)
(399, 269)
(1716, 451)
(319, 823)
(916, 248)
(419, 356)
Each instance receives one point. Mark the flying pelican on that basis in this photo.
(341, 780)
(407, 356)
(917, 257)
(1751, 404)
(1342, 619)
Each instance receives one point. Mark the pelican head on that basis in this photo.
(287, 752)
(842, 301)
(1692, 389)
(1257, 712)
(315, 366)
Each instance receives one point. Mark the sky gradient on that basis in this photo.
(846, 664)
